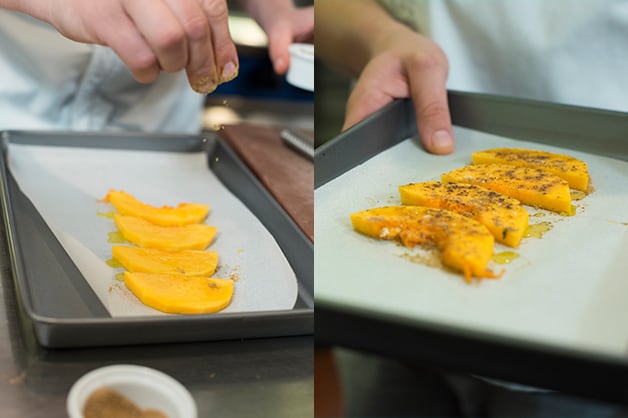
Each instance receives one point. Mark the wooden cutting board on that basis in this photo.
(286, 174)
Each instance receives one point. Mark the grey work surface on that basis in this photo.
(243, 378)
(419, 340)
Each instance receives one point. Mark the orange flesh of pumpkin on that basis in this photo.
(504, 217)
(531, 186)
(574, 171)
(145, 234)
(183, 214)
(153, 260)
(465, 244)
(180, 294)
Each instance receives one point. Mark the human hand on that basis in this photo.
(292, 25)
(151, 36)
(283, 24)
(406, 64)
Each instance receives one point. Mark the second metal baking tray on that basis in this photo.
(62, 308)
(410, 334)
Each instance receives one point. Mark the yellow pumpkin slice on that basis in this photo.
(465, 244)
(531, 186)
(183, 214)
(153, 260)
(145, 234)
(564, 166)
(180, 294)
(504, 217)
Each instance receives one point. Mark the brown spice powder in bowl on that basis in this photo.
(133, 391)
(108, 403)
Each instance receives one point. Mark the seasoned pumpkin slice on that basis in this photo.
(183, 214)
(564, 166)
(504, 217)
(153, 260)
(466, 245)
(531, 186)
(145, 234)
(180, 294)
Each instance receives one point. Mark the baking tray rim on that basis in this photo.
(494, 114)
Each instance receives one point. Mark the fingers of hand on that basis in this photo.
(133, 50)
(163, 31)
(224, 56)
(362, 102)
(181, 34)
(427, 77)
(280, 37)
(296, 26)
(303, 24)
(381, 81)
(108, 23)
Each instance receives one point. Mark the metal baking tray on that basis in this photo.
(44, 274)
(577, 370)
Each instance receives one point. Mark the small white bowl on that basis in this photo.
(301, 71)
(146, 387)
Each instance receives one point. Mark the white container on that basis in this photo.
(301, 71)
(146, 387)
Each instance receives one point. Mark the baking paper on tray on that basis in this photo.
(567, 288)
(66, 186)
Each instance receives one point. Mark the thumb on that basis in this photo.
(434, 126)
(279, 40)
(429, 94)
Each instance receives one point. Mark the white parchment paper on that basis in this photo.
(568, 288)
(66, 185)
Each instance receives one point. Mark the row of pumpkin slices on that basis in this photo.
(168, 267)
(476, 205)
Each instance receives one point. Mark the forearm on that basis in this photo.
(348, 32)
